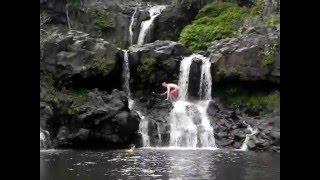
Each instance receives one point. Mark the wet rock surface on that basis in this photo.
(102, 120)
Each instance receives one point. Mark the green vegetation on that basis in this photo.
(102, 21)
(45, 35)
(257, 9)
(78, 96)
(269, 54)
(242, 97)
(273, 20)
(215, 21)
(101, 64)
(47, 81)
(104, 64)
(147, 68)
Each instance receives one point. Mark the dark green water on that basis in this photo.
(159, 164)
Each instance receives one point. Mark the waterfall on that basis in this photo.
(205, 79)
(189, 122)
(159, 135)
(67, 15)
(184, 76)
(143, 126)
(131, 25)
(126, 73)
(44, 139)
(146, 25)
(143, 130)
(244, 146)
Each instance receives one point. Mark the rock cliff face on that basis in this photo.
(154, 63)
(252, 56)
(82, 104)
(78, 60)
(98, 120)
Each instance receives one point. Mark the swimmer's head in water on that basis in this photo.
(164, 84)
(132, 146)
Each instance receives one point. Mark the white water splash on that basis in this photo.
(146, 25)
(244, 146)
(206, 131)
(131, 25)
(190, 125)
(183, 131)
(184, 76)
(143, 130)
(143, 126)
(126, 73)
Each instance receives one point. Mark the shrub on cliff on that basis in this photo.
(214, 21)
(101, 20)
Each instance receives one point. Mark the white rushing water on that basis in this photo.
(67, 15)
(205, 79)
(143, 126)
(190, 125)
(126, 73)
(244, 146)
(159, 135)
(143, 130)
(146, 25)
(184, 76)
(131, 25)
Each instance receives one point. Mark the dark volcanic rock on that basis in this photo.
(268, 136)
(106, 19)
(157, 111)
(194, 79)
(101, 120)
(76, 58)
(46, 113)
(169, 24)
(252, 56)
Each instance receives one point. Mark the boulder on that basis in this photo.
(76, 58)
(98, 120)
(252, 56)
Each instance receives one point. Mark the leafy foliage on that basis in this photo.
(102, 21)
(269, 54)
(242, 97)
(214, 21)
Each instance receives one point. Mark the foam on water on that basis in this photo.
(190, 125)
(244, 146)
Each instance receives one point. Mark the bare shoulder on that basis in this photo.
(173, 85)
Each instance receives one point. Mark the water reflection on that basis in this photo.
(159, 164)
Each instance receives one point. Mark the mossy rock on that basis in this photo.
(258, 98)
(214, 21)
(147, 68)
(103, 21)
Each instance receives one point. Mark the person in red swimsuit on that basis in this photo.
(172, 91)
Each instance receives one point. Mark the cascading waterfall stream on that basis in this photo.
(143, 126)
(244, 146)
(205, 79)
(126, 77)
(131, 25)
(143, 130)
(67, 15)
(190, 125)
(146, 25)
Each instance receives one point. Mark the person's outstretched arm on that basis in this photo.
(168, 92)
(163, 93)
